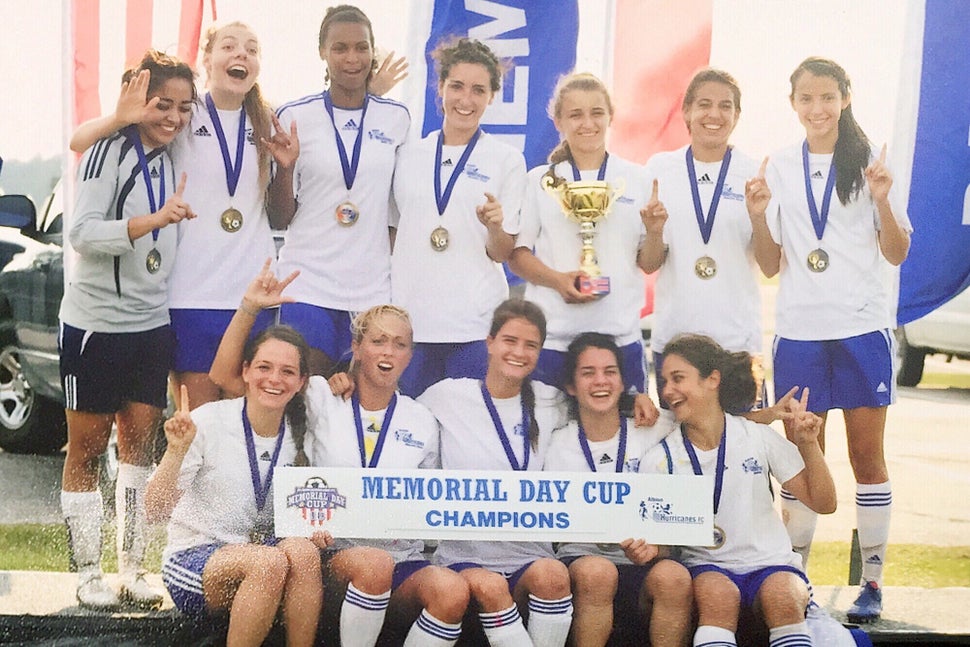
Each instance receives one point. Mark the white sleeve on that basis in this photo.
(94, 229)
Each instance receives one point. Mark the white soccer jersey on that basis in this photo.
(411, 442)
(469, 441)
(726, 307)
(451, 294)
(755, 536)
(218, 504)
(214, 266)
(112, 289)
(557, 243)
(851, 297)
(342, 267)
(566, 455)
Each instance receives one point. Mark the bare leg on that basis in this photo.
(718, 601)
(668, 597)
(594, 581)
(303, 591)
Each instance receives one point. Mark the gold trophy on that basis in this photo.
(586, 203)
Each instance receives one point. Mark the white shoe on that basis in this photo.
(94, 593)
(136, 591)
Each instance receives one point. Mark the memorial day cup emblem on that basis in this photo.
(316, 500)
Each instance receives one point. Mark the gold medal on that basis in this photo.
(231, 220)
(606, 548)
(705, 268)
(719, 538)
(439, 239)
(153, 262)
(818, 260)
(347, 213)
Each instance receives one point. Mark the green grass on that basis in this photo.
(946, 380)
(36, 547)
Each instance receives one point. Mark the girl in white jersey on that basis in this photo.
(548, 247)
(115, 340)
(750, 564)
(375, 427)
(503, 422)
(229, 172)
(331, 189)
(833, 330)
(628, 578)
(458, 192)
(214, 483)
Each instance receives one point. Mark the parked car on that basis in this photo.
(31, 285)
(945, 331)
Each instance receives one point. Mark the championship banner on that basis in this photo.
(938, 267)
(493, 505)
(539, 39)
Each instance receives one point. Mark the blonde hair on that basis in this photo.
(575, 81)
(370, 319)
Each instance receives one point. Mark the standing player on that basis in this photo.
(115, 340)
(458, 191)
(331, 190)
(833, 330)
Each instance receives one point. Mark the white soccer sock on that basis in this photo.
(549, 620)
(130, 516)
(800, 523)
(710, 636)
(873, 506)
(790, 636)
(361, 617)
(505, 628)
(84, 514)
(428, 631)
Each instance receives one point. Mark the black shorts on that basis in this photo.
(100, 372)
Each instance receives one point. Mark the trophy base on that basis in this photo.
(598, 286)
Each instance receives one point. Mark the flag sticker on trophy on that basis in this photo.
(586, 202)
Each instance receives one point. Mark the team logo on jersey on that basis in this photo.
(448, 162)
(817, 175)
(632, 465)
(659, 511)
(350, 125)
(316, 500)
(379, 135)
(472, 171)
(405, 436)
(202, 131)
(728, 194)
(705, 179)
(519, 430)
(751, 466)
(605, 458)
(625, 199)
(265, 457)
(154, 172)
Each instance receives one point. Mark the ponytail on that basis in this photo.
(295, 414)
(529, 401)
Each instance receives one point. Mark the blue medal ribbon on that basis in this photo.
(379, 447)
(233, 170)
(349, 167)
(502, 436)
(706, 222)
(131, 132)
(261, 490)
(600, 175)
(818, 220)
(620, 452)
(719, 470)
(442, 199)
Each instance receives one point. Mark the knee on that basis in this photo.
(548, 579)
(716, 597)
(372, 570)
(594, 580)
(491, 590)
(447, 591)
(302, 556)
(270, 567)
(669, 581)
(782, 598)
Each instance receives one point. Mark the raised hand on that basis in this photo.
(133, 105)
(266, 291)
(654, 215)
(639, 551)
(490, 213)
(391, 72)
(180, 429)
(878, 177)
(283, 146)
(803, 426)
(756, 192)
(176, 208)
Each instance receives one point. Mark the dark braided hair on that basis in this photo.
(738, 389)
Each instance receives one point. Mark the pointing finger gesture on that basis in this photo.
(490, 213)
(756, 192)
(878, 177)
(654, 214)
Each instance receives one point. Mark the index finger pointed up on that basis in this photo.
(882, 155)
(184, 400)
(181, 187)
(656, 189)
(804, 398)
(490, 198)
(764, 167)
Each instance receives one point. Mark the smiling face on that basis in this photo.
(597, 383)
(273, 376)
(711, 116)
(514, 350)
(383, 351)
(689, 395)
(464, 96)
(170, 115)
(818, 102)
(232, 60)
(583, 120)
(349, 55)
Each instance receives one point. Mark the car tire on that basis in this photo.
(910, 361)
(29, 424)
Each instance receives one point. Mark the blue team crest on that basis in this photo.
(406, 437)
(472, 171)
(378, 134)
(728, 194)
(316, 500)
(751, 466)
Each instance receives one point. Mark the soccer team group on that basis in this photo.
(392, 259)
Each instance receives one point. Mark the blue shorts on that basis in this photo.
(198, 333)
(748, 583)
(552, 363)
(432, 363)
(325, 329)
(182, 575)
(840, 373)
(404, 570)
(101, 372)
(512, 578)
(761, 398)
